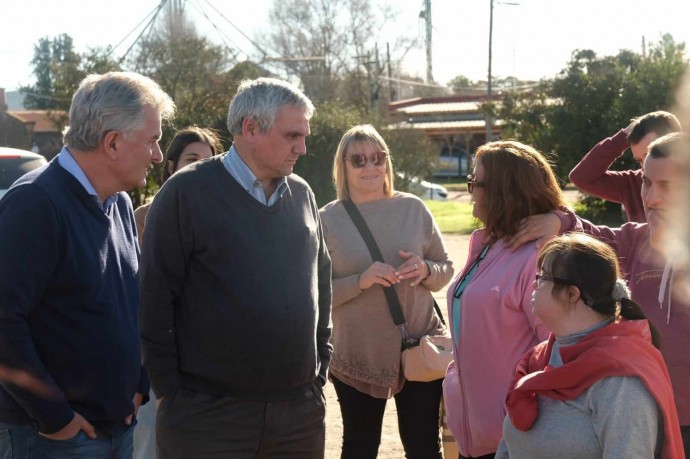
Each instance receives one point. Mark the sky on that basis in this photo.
(531, 40)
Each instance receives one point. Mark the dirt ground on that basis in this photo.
(390, 448)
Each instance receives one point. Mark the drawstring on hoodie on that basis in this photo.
(666, 280)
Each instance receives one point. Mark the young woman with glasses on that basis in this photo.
(606, 391)
(365, 366)
(491, 319)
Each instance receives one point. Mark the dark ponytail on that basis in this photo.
(631, 311)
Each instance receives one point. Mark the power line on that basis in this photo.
(148, 28)
(411, 82)
(223, 36)
(153, 11)
(256, 45)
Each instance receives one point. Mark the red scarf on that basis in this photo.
(619, 349)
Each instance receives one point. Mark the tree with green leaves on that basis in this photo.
(55, 66)
(593, 97)
(59, 69)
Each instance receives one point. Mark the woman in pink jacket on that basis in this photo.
(489, 301)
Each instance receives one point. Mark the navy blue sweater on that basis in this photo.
(68, 303)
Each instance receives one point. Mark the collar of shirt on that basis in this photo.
(247, 180)
(67, 162)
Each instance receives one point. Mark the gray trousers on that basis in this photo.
(197, 425)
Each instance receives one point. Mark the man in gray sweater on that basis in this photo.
(236, 292)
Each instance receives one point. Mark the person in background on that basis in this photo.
(572, 396)
(188, 146)
(365, 367)
(592, 174)
(68, 278)
(492, 323)
(236, 292)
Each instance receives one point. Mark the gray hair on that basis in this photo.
(113, 101)
(262, 99)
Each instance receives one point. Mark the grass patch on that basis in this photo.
(451, 183)
(453, 217)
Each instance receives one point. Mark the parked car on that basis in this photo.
(425, 190)
(14, 163)
(451, 163)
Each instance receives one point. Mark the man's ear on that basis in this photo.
(111, 142)
(250, 128)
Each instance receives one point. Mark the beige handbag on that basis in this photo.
(428, 360)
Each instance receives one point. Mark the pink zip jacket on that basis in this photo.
(496, 328)
(650, 278)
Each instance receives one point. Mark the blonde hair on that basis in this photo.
(356, 135)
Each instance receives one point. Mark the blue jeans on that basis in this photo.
(23, 441)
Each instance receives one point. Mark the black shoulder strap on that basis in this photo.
(440, 314)
(391, 296)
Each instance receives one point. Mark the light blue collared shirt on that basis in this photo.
(247, 180)
(67, 162)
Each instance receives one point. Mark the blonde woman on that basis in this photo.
(365, 367)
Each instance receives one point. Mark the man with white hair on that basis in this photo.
(68, 278)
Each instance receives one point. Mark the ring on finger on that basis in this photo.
(416, 267)
(379, 274)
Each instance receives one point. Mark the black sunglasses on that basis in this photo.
(359, 160)
(472, 183)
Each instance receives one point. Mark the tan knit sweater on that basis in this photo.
(366, 341)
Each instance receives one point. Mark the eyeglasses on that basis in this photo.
(359, 160)
(557, 280)
(472, 183)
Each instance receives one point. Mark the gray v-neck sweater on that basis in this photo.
(236, 295)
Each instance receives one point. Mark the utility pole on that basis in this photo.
(489, 120)
(373, 73)
(427, 19)
(391, 95)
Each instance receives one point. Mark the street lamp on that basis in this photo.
(489, 119)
